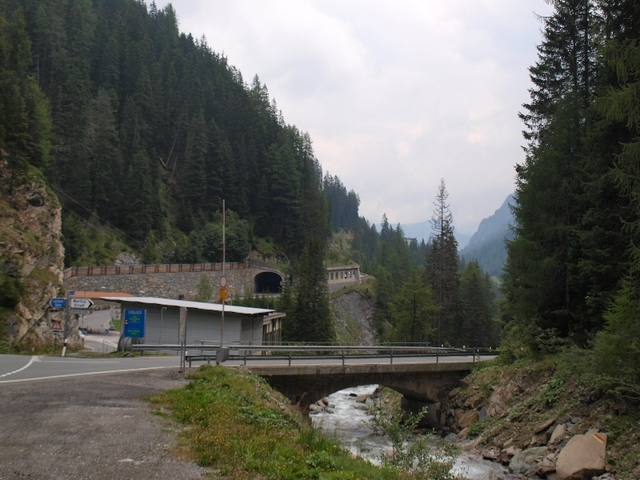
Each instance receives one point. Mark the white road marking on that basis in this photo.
(33, 359)
(81, 374)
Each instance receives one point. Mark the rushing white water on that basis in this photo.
(348, 421)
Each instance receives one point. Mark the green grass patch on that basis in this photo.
(243, 429)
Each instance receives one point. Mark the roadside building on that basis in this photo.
(204, 326)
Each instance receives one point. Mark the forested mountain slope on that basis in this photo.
(487, 245)
(151, 129)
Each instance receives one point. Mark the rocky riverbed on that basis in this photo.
(557, 451)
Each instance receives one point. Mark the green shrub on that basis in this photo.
(11, 290)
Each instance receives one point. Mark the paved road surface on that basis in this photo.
(21, 368)
(88, 427)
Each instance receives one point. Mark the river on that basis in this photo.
(349, 422)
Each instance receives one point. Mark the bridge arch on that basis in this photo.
(305, 385)
(267, 282)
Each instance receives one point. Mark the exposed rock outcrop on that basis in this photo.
(354, 317)
(31, 251)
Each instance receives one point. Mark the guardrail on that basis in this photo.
(246, 353)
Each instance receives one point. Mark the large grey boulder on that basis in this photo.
(583, 456)
(526, 461)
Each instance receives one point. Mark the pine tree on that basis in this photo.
(312, 314)
(24, 121)
(441, 272)
(413, 312)
(477, 306)
(543, 280)
(105, 161)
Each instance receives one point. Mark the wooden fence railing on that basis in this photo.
(143, 269)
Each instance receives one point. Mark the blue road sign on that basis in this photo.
(57, 302)
(134, 322)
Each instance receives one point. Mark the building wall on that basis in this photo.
(343, 276)
(203, 327)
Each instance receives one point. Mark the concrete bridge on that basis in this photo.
(174, 280)
(419, 383)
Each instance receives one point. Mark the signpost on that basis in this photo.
(58, 303)
(11, 329)
(81, 303)
(134, 322)
(81, 311)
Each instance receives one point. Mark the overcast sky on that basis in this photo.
(394, 94)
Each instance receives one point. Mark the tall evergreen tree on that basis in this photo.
(542, 275)
(312, 320)
(477, 306)
(441, 271)
(24, 120)
(413, 312)
(105, 161)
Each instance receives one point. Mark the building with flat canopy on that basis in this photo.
(242, 325)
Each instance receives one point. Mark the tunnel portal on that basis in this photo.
(267, 282)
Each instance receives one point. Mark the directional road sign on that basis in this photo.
(81, 303)
(81, 311)
(57, 302)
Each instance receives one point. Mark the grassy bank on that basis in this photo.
(240, 428)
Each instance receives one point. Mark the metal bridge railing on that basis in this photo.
(247, 352)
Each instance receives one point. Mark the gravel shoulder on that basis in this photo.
(95, 427)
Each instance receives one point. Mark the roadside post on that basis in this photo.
(56, 324)
(67, 318)
(183, 339)
(11, 329)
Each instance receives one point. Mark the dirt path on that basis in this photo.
(89, 428)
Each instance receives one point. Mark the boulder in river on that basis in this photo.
(583, 456)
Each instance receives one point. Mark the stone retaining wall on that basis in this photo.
(166, 285)
(171, 281)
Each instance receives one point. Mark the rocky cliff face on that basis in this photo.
(353, 312)
(31, 252)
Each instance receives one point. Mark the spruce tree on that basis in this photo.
(441, 271)
(543, 282)
(413, 312)
(312, 314)
(477, 306)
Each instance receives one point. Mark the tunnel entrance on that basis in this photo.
(267, 282)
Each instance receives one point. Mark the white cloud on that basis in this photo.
(395, 95)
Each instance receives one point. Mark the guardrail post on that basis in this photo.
(245, 358)
(437, 355)
(289, 357)
(391, 355)
(342, 357)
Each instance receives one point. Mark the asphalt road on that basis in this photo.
(87, 426)
(22, 368)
